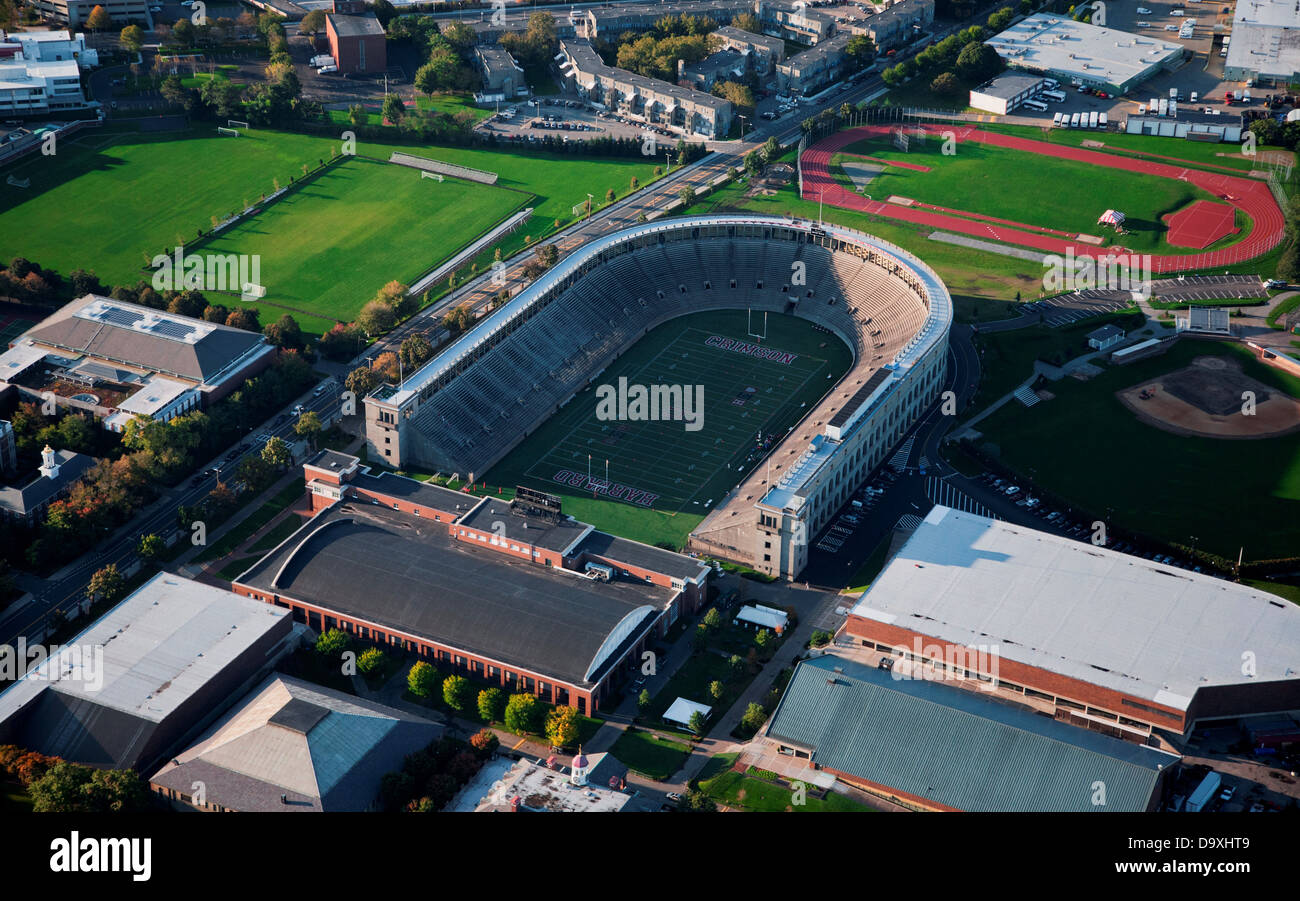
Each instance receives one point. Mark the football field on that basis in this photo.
(661, 467)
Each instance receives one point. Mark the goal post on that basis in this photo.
(235, 123)
(227, 131)
(434, 175)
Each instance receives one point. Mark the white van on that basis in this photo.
(1102, 120)
(1074, 120)
(1056, 120)
(1194, 96)
(1092, 120)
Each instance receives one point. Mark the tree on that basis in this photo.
(277, 452)
(735, 664)
(945, 84)
(370, 661)
(175, 93)
(485, 742)
(333, 642)
(562, 726)
(771, 149)
(285, 332)
(700, 639)
(522, 713)
(98, 19)
(713, 619)
(739, 95)
(357, 115)
(754, 716)
(308, 427)
(687, 195)
(643, 700)
(696, 802)
(312, 23)
(716, 690)
(386, 366)
(422, 680)
(820, 639)
(763, 638)
(977, 62)
(384, 11)
(457, 692)
(492, 704)
(861, 50)
(132, 38)
(73, 788)
(107, 584)
(151, 546)
(415, 352)
(696, 722)
(377, 317)
(394, 109)
(747, 22)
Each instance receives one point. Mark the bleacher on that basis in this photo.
(478, 417)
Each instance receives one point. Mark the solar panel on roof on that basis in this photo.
(170, 329)
(119, 317)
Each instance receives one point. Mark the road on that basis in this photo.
(68, 586)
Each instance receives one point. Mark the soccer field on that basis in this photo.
(1030, 188)
(667, 469)
(1085, 446)
(330, 245)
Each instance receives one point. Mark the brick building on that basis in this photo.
(510, 593)
(356, 43)
(1096, 638)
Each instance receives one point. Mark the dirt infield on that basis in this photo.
(1205, 399)
(1250, 196)
(1200, 224)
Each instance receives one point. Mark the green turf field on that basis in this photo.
(1086, 447)
(330, 245)
(1031, 188)
(686, 471)
(153, 191)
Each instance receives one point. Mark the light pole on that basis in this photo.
(590, 202)
(668, 158)
(742, 125)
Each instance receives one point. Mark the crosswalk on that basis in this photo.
(943, 492)
(904, 453)
(1026, 395)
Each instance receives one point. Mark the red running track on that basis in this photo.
(1248, 195)
(1200, 224)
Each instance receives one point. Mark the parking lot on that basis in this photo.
(566, 118)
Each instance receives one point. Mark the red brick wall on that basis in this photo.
(1025, 675)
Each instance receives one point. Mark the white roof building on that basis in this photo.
(1265, 42)
(1124, 623)
(1084, 53)
(763, 617)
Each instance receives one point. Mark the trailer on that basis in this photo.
(1205, 792)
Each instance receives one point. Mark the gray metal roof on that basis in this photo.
(23, 499)
(160, 647)
(324, 749)
(1009, 85)
(134, 335)
(634, 553)
(1109, 619)
(370, 562)
(958, 748)
(355, 26)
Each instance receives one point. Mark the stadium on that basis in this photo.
(485, 393)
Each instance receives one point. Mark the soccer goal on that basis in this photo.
(235, 123)
(227, 131)
(901, 140)
(435, 175)
(253, 292)
(19, 182)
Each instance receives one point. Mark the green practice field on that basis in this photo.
(685, 471)
(1086, 447)
(370, 222)
(151, 192)
(1030, 188)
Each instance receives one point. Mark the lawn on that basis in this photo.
(1007, 358)
(1030, 188)
(1276, 314)
(155, 191)
(866, 573)
(653, 757)
(150, 193)
(1090, 450)
(685, 471)
(1281, 589)
(371, 222)
(726, 786)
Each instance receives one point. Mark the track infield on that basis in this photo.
(1248, 195)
